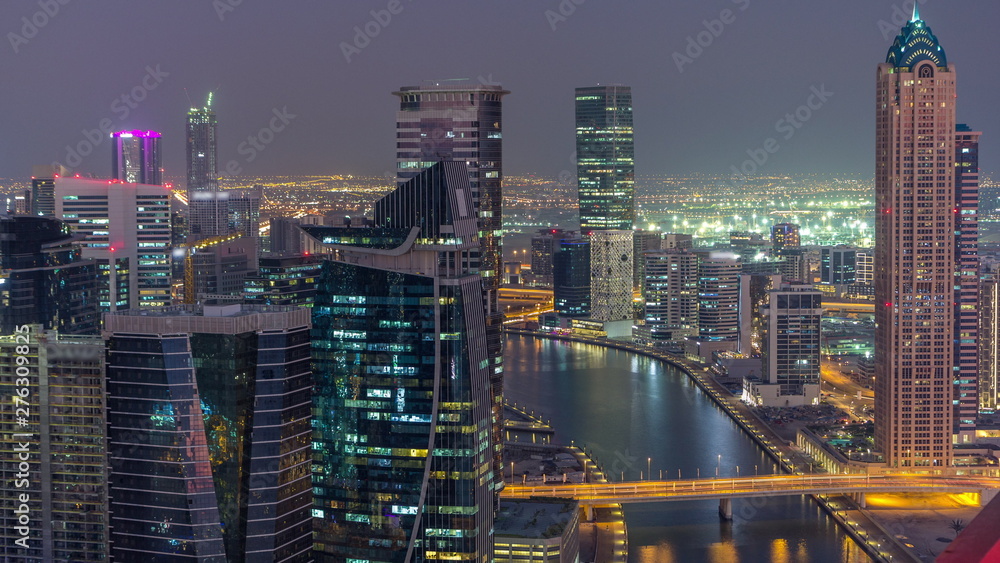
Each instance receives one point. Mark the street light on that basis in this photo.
(718, 466)
(649, 473)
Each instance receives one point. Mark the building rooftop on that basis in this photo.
(535, 518)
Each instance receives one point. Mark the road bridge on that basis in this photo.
(726, 489)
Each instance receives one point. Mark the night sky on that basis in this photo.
(69, 74)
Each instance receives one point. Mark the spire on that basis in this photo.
(916, 11)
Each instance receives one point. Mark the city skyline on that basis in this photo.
(682, 111)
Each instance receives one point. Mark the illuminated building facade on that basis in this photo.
(785, 238)
(611, 275)
(67, 488)
(44, 279)
(571, 278)
(544, 247)
(456, 120)
(135, 157)
(202, 149)
(209, 434)
(670, 295)
(915, 242)
(403, 452)
(791, 346)
(989, 343)
(284, 280)
(605, 157)
(128, 225)
(967, 282)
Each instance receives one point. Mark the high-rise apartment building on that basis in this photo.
(123, 224)
(284, 279)
(791, 346)
(605, 157)
(44, 279)
(785, 238)
(455, 120)
(135, 157)
(718, 305)
(643, 241)
(670, 295)
(967, 282)
(571, 278)
(915, 242)
(403, 454)
(209, 430)
(67, 488)
(611, 274)
(202, 149)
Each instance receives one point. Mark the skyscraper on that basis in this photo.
(967, 282)
(718, 305)
(135, 157)
(544, 247)
(611, 275)
(208, 433)
(605, 156)
(455, 120)
(989, 344)
(915, 265)
(791, 346)
(403, 451)
(67, 488)
(127, 225)
(838, 265)
(44, 278)
(202, 149)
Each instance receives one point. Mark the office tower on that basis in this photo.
(989, 343)
(611, 275)
(43, 183)
(44, 279)
(219, 268)
(967, 282)
(785, 239)
(915, 241)
(208, 433)
(670, 295)
(284, 279)
(221, 213)
(455, 120)
(202, 149)
(643, 241)
(67, 489)
(544, 247)
(605, 157)
(754, 290)
(838, 265)
(791, 347)
(136, 157)
(125, 224)
(571, 278)
(403, 452)
(20, 203)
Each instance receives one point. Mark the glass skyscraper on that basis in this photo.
(605, 156)
(136, 157)
(403, 455)
(202, 149)
(208, 433)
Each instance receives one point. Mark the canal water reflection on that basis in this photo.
(634, 415)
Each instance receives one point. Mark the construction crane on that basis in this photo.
(189, 288)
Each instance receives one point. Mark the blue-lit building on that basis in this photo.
(403, 455)
(209, 434)
(571, 278)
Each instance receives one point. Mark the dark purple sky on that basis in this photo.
(266, 55)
